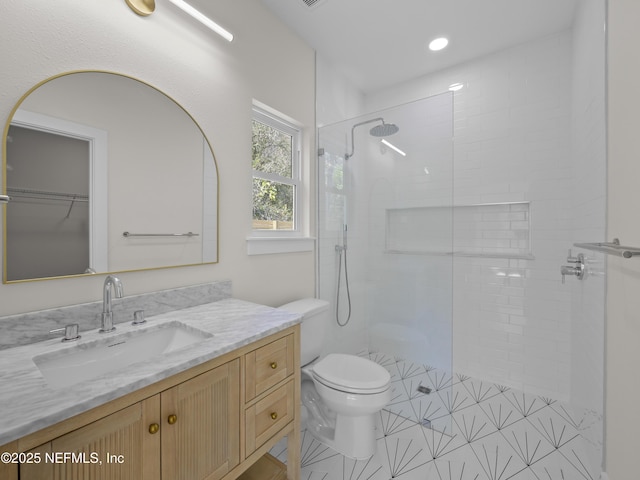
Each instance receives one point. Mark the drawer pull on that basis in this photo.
(274, 415)
(154, 428)
(172, 419)
(274, 365)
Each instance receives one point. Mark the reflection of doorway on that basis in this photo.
(56, 177)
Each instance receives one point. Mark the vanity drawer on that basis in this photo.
(268, 416)
(268, 365)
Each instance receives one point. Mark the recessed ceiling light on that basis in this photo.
(438, 44)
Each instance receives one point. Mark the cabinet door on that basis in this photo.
(117, 446)
(201, 425)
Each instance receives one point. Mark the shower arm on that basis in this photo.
(347, 156)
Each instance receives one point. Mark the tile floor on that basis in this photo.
(478, 431)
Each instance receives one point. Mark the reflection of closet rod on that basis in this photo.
(188, 234)
(44, 195)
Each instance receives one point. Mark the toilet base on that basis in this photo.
(356, 436)
(343, 440)
(351, 436)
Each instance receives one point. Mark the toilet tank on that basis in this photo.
(315, 322)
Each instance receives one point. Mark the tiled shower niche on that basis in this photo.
(501, 230)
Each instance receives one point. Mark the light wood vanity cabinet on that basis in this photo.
(211, 422)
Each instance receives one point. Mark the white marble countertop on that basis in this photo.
(30, 404)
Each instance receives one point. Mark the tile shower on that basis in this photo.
(455, 250)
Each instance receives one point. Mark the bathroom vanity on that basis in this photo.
(209, 411)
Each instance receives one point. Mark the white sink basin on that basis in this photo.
(115, 352)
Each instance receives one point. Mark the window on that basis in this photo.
(276, 174)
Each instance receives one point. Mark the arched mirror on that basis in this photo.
(105, 173)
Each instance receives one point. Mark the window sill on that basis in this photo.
(270, 245)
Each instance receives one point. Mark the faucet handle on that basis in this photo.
(138, 317)
(70, 332)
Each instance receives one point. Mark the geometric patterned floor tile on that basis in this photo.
(476, 430)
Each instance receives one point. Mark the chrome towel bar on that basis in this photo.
(611, 248)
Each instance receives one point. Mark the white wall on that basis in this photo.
(214, 80)
(623, 276)
(336, 98)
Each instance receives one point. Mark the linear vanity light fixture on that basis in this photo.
(206, 21)
(393, 147)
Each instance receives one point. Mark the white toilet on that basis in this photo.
(342, 393)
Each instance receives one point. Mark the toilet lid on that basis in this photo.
(351, 374)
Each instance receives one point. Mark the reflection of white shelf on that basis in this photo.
(460, 254)
(492, 230)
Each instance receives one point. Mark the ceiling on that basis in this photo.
(379, 43)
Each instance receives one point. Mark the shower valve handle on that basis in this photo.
(578, 270)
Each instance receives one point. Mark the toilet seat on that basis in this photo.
(351, 374)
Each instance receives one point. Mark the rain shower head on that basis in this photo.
(382, 130)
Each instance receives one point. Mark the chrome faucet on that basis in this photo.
(106, 324)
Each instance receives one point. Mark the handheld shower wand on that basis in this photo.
(344, 236)
(342, 252)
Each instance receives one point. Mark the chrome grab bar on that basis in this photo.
(611, 248)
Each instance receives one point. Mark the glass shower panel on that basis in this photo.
(385, 247)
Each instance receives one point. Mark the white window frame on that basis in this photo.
(282, 241)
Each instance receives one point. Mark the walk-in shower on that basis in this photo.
(456, 249)
(455, 252)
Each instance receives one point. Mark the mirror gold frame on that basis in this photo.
(4, 179)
